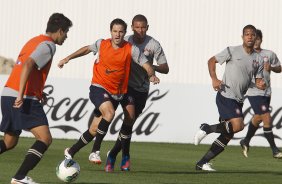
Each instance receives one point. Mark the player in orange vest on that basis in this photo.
(109, 83)
(22, 96)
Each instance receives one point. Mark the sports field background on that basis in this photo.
(152, 163)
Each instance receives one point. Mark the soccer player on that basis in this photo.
(22, 96)
(242, 64)
(260, 101)
(138, 88)
(109, 83)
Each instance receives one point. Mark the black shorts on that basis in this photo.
(29, 115)
(260, 104)
(228, 108)
(133, 97)
(99, 95)
(139, 100)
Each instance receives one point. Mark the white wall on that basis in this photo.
(190, 31)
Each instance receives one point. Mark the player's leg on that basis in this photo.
(10, 124)
(97, 96)
(86, 137)
(123, 141)
(252, 128)
(35, 152)
(256, 103)
(10, 140)
(267, 129)
(108, 112)
(219, 144)
(228, 109)
(260, 105)
(125, 136)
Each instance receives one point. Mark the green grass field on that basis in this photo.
(152, 163)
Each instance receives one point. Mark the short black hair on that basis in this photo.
(58, 21)
(118, 21)
(249, 27)
(140, 18)
(259, 33)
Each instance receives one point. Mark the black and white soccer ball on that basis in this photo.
(68, 170)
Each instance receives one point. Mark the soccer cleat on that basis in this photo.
(125, 163)
(204, 167)
(277, 153)
(95, 158)
(26, 180)
(200, 135)
(110, 163)
(66, 153)
(245, 147)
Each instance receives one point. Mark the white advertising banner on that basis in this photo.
(173, 112)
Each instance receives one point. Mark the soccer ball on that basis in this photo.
(68, 170)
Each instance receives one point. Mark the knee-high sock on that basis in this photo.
(216, 148)
(125, 134)
(251, 132)
(269, 137)
(32, 158)
(223, 128)
(84, 139)
(101, 133)
(117, 147)
(123, 141)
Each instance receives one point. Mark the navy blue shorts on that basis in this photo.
(133, 97)
(228, 108)
(99, 95)
(28, 116)
(139, 98)
(260, 104)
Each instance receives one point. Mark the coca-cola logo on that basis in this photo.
(75, 110)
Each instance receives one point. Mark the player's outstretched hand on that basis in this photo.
(154, 79)
(63, 62)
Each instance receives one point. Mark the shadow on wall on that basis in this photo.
(6, 65)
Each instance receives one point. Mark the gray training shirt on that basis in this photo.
(240, 68)
(268, 56)
(152, 49)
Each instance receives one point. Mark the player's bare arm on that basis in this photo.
(151, 73)
(216, 83)
(80, 52)
(276, 69)
(162, 68)
(27, 68)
